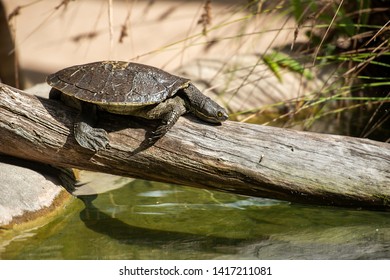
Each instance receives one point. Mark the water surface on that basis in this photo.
(148, 220)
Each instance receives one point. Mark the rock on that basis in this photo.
(26, 194)
(92, 183)
(41, 90)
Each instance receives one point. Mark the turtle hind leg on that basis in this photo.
(85, 134)
(93, 139)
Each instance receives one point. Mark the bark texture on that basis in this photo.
(235, 157)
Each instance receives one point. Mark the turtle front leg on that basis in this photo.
(85, 134)
(167, 122)
(169, 112)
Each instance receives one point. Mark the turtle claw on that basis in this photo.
(93, 139)
(158, 133)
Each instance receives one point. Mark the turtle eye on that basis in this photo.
(222, 116)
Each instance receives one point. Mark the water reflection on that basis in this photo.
(102, 223)
(147, 220)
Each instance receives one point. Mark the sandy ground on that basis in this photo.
(50, 36)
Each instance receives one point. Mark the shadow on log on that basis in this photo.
(240, 158)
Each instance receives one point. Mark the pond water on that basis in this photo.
(148, 220)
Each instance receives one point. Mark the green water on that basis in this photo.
(145, 220)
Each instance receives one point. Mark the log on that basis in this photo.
(247, 159)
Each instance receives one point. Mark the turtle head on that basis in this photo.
(203, 107)
(208, 110)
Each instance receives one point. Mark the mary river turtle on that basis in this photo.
(128, 88)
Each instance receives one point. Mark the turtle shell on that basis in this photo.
(117, 84)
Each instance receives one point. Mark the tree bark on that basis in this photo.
(241, 158)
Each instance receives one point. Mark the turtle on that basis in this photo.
(128, 88)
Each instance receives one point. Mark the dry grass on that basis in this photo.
(344, 48)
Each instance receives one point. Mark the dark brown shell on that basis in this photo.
(117, 83)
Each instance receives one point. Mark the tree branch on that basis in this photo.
(235, 157)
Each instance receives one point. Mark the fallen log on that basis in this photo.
(241, 158)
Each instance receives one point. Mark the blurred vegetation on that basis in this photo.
(353, 36)
(349, 39)
(9, 73)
